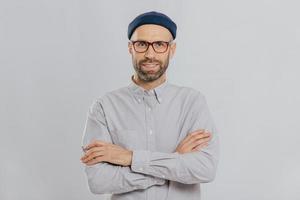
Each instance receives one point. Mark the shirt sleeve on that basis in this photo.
(188, 168)
(103, 177)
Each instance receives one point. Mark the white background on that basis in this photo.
(57, 56)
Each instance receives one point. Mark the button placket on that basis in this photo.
(149, 134)
(149, 124)
(150, 101)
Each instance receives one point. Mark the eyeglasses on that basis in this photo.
(141, 46)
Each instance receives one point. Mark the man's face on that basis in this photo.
(151, 65)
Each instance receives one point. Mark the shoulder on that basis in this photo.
(187, 91)
(112, 95)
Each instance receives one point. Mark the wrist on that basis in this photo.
(128, 158)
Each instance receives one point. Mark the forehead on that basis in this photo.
(151, 32)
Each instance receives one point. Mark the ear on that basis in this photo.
(172, 49)
(130, 47)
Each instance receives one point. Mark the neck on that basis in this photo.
(149, 85)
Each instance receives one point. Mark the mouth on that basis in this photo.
(150, 65)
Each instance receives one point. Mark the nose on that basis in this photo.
(150, 53)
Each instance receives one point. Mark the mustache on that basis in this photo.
(149, 61)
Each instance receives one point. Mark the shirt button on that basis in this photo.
(163, 176)
(150, 132)
(141, 168)
(149, 108)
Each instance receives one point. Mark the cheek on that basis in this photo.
(164, 59)
(137, 57)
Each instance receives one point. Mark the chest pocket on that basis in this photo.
(129, 139)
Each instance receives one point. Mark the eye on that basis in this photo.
(141, 44)
(159, 44)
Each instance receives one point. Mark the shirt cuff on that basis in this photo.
(140, 161)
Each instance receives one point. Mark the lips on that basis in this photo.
(150, 65)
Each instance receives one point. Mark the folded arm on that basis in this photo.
(187, 168)
(106, 178)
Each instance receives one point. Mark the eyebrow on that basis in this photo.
(152, 41)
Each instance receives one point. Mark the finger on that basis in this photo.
(93, 156)
(196, 140)
(200, 141)
(88, 152)
(95, 143)
(95, 161)
(197, 137)
(196, 132)
(204, 136)
(193, 145)
(91, 150)
(94, 149)
(199, 131)
(201, 146)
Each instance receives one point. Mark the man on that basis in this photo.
(152, 139)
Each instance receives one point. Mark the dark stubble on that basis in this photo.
(144, 74)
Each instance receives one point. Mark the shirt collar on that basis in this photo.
(139, 91)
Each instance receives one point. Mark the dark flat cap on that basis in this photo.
(152, 18)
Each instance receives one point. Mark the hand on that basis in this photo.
(100, 151)
(194, 141)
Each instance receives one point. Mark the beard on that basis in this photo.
(147, 74)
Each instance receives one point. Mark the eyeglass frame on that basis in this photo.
(151, 44)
